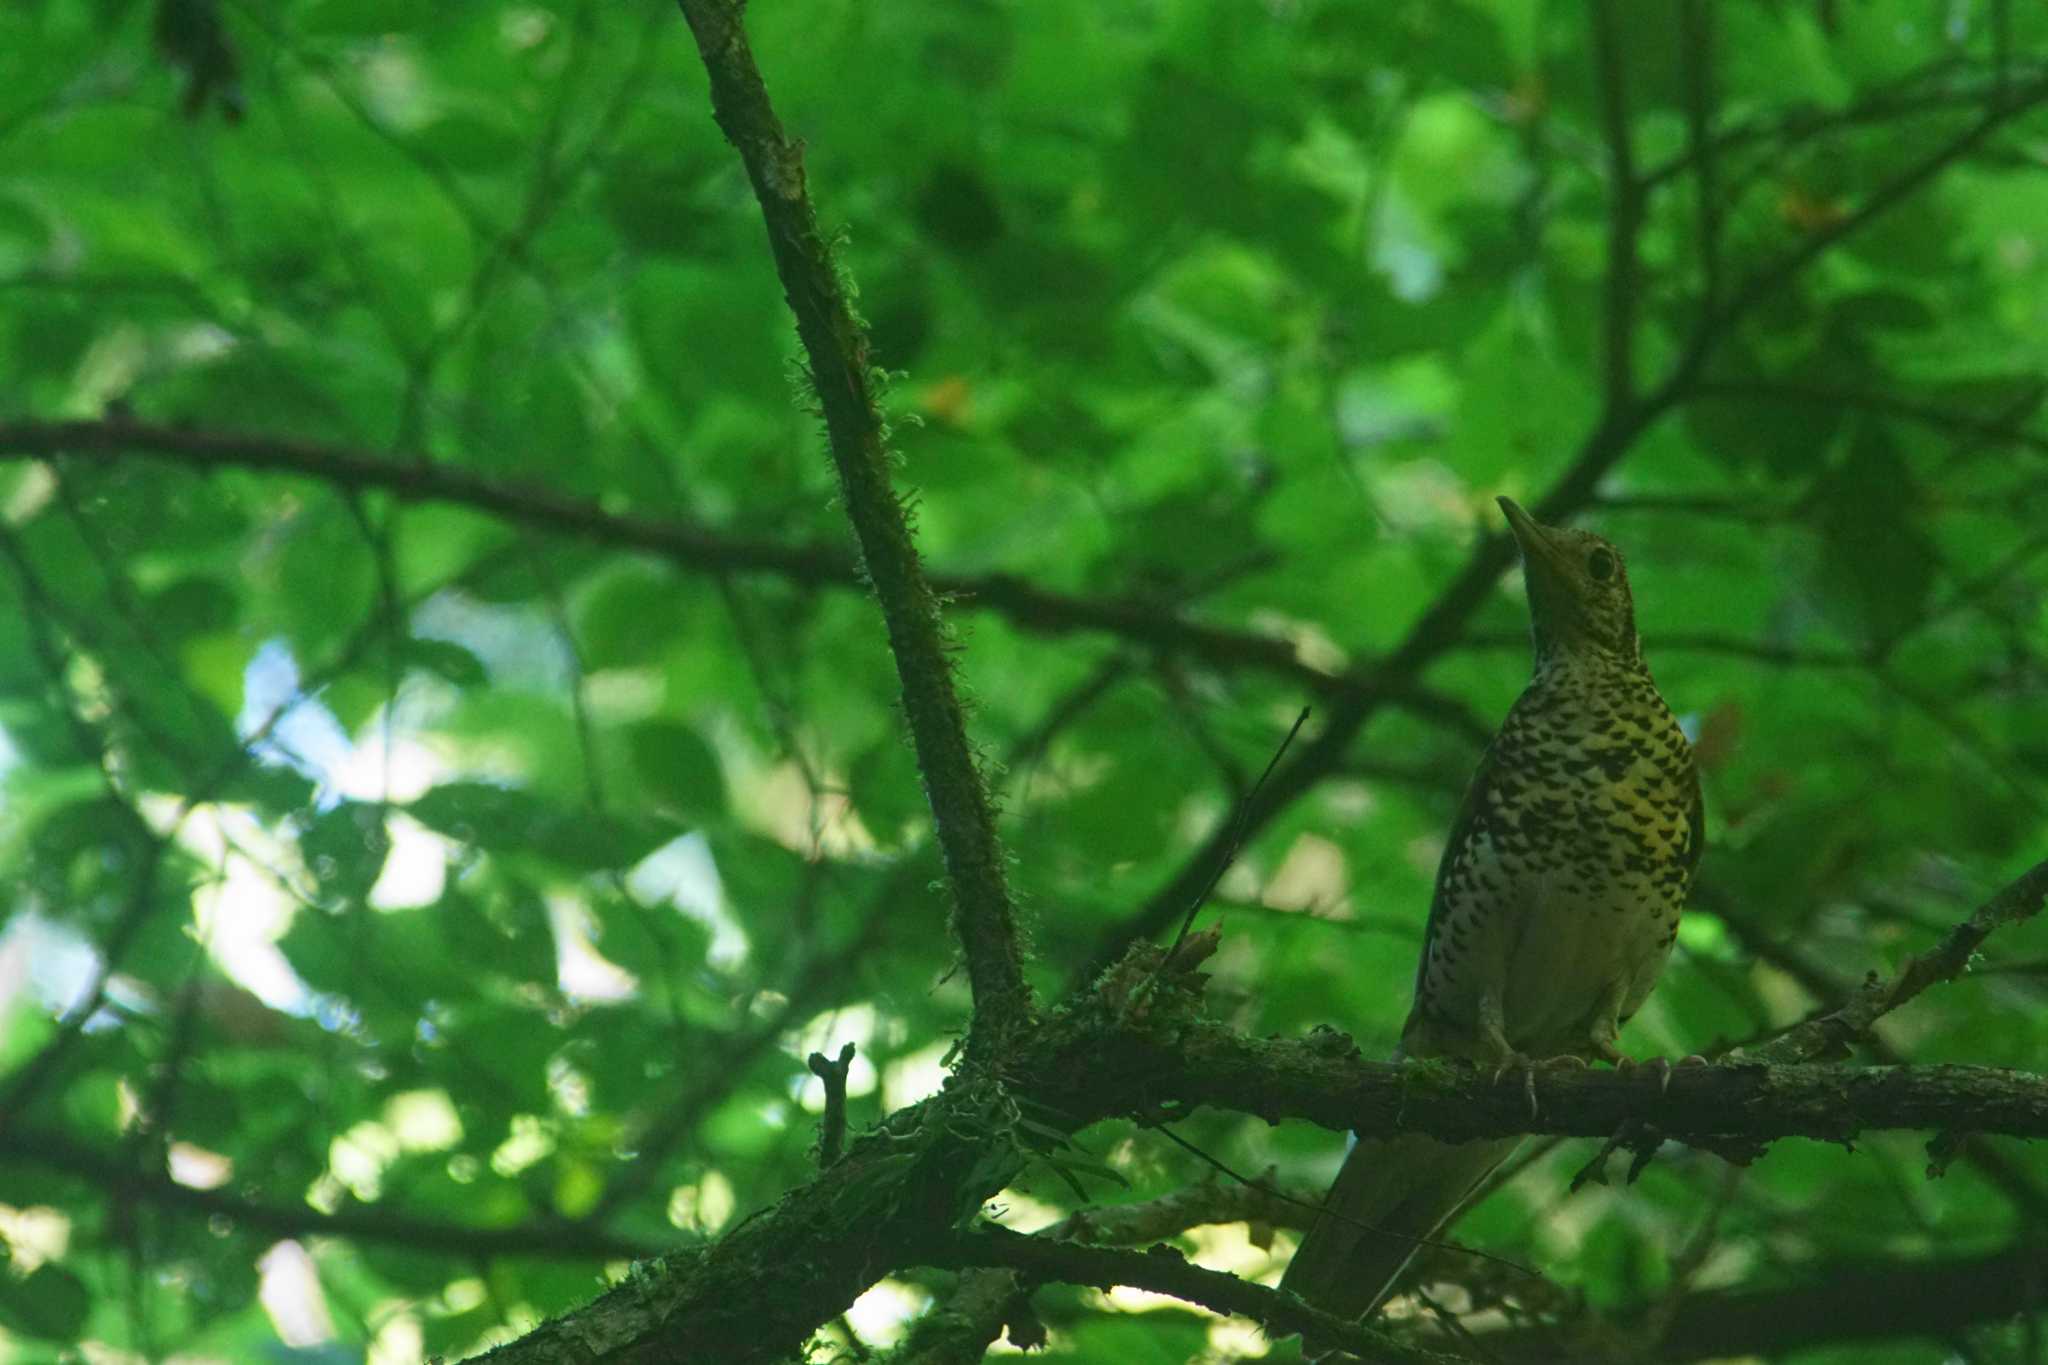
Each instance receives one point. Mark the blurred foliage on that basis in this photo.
(412, 864)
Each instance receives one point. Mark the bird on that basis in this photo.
(1556, 904)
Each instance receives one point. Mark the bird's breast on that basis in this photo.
(1563, 887)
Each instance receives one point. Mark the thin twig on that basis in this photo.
(1231, 849)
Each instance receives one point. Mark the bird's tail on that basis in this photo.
(1392, 1195)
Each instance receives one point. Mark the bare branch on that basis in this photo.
(971, 1316)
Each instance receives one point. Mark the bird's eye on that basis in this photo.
(1600, 564)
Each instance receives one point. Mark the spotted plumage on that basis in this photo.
(1557, 900)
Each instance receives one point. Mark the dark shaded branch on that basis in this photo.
(419, 479)
(1932, 415)
(959, 1330)
(1165, 1271)
(1766, 282)
(1845, 1302)
(1785, 130)
(1152, 622)
(961, 1327)
(1277, 1080)
(1822, 983)
(63, 1153)
(1192, 1206)
(1831, 1034)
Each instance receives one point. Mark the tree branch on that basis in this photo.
(1149, 621)
(62, 1152)
(960, 1329)
(1277, 1079)
(832, 1128)
(780, 1274)
(1880, 201)
(1957, 423)
(1831, 1034)
(1845, 1302)
(1802, 125)
(1165, 1271)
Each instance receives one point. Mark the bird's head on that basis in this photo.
(1578, 589)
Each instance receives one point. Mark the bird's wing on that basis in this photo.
(1696, 826)
(1469, 810)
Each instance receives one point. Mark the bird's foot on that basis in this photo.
(1660, 1067)
(1609, 1051)
(1516, 1062)
(1526, 1067)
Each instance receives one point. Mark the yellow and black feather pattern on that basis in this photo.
(1562, 882)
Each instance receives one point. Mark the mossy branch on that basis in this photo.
(841, 372)
(899, 1190)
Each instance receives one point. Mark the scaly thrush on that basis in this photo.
(1557, 901)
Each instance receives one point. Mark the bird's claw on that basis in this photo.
(1661, 1067)
(1517, 1062)
(1526, 1065)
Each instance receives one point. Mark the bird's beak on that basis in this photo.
(1538, 544)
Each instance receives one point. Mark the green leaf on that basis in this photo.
(1877, 557)
(358, 18)
(447, 660)
(678, 768)
(50, 1304)
(509, 821)
(345, 848)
